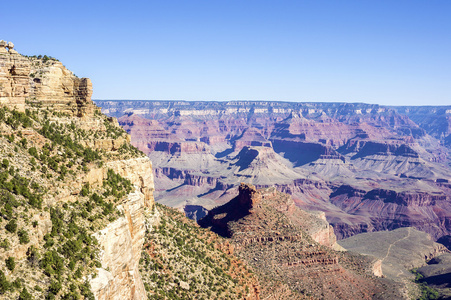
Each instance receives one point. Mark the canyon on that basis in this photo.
(80, 202)
(367, 167)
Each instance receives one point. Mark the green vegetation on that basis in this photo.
(42, 153)
(181, 259)
(43, 58)
(426, 291)
(10, 263)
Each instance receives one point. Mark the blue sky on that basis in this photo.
(385, 52)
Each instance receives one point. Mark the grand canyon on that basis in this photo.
(216, 200)
(367, 167)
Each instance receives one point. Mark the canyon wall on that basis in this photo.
(122, 241)
(367, 167)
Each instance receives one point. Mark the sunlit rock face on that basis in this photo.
(42, 80)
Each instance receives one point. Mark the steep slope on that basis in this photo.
(435, 120)
(183, 261)
(78, 219)
(291, 250)
(436, 274)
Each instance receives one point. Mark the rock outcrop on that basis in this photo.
(80, 166)
(290, 248)
(121, 243)
(42, 80)
(14, 77)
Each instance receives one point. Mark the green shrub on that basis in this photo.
(23, 236)
(5, 163)
(85, 190)
(24, 142)
(4, 284)
(25, 295)
(10, 263)
(55, 287)
(33, 152)
(11, 226)
(5, 244)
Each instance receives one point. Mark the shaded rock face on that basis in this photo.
(368, 167)
(46, 82)
(290, 248)
(195, 212)
(437, 274)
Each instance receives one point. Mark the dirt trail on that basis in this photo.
(392, 244)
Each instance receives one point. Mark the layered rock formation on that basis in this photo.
(78, 202)
(291, 248)
(367, 167)
(42, 80)
(14, 77)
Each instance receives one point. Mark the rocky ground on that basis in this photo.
(436, 274)
(292, 250)
(399, 251)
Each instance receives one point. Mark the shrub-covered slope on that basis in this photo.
(183, 261)
(47, 215)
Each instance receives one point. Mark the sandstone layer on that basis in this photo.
(73, 189)
(42, 80)
(122, 241)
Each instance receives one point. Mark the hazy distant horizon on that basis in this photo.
(279, 101)
(381, 52)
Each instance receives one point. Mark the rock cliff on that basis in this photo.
(122, 241)
(42, 80)
(73, 189)
(14, 76)
(77, 200)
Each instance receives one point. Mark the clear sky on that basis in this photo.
(386, 52)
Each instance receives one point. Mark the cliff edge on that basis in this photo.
(73, 191)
